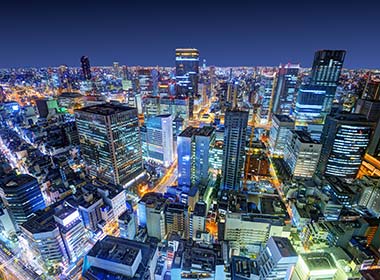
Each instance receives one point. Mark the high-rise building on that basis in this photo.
(187, 71)
(265, 94)
(159, 139)
(345, 139)
(286, 89)
(151, 215)
(22, 195)
(309, 105)
(145, 81)
(110, 142)
(325, 72)
(235, 130)
(277, 260)
(301, 154)
(281, 124)
(198, 219)
(177, 219)
(193, 150)
(86, 69)
(127, 225)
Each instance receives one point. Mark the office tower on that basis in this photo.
(278, 259)
(369, 108)
(286, 89)
(119, 258)
(345, 139)
(374, 145)
(370, 197)
(281, 124)
(110, 142)
(22, 195)
(159, 138)
(187, 71)
(7, 224)
(371, 89)
(145, 81)
(177, 219)
(193, 151)
(265, 94)
(198, 219)
(315, 266)
(301, 154)
(72, 230)
(127, 225)
(151, 215)
(309, 105)
(325, 72)
(235, 129)
(86, 69)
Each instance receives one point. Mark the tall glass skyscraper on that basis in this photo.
(187, 71)
(344, 141)
(265, 94)
(22, 194)
(110, 142)
(235, 130)
(325, 72)
(286, 89)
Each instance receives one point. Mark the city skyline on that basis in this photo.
(133, 33)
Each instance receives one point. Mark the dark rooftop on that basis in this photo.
(195, 131)
(106, 109)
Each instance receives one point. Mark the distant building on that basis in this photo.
(286, 89)
(344, 140)
(119, 258)
(301, 154)
(235, 131)
(22, 195)
(110, 142)
(281, 124)
(86, 69)
(265, 94)
(277, 260)
(187, 71)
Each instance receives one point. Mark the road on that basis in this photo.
(15, 267)
(169, 179)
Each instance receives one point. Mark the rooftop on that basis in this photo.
(195, 131)
(284, 246)
(319, 261)
(106, 109)
(283, 118)
(16, 180)
(304, 137)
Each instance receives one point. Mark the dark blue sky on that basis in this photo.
(227, 33)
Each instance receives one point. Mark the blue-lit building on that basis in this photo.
(159, 139)
(22, 195)
(235, 130)
(187, 71)
(286, 89)
(193, 150)
(110, 142)
(265, 94)
(345, 139)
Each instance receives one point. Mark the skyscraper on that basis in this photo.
(193, 149)
(265, 95)
(325, 72)
(86, 69)
(110, 142)
(22, 194)
(344, 140)
(281, 124)
(160, 139)
(286, 89)
(235, 123)
(187, 71)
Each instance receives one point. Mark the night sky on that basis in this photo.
(227, 33)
